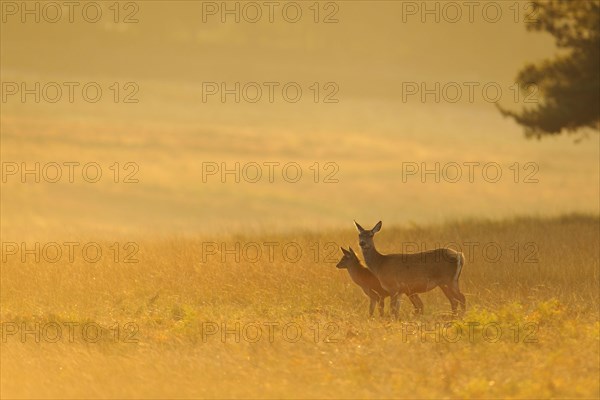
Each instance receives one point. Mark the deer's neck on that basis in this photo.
(372, 258)
(354, 272)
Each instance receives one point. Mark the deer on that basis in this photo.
(413, 273)
(369, 283)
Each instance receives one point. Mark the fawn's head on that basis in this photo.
(365, 236)
(349, 259)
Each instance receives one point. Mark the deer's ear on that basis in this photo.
(377, 227)
(360, 228)
(351, 250)
(344, 250)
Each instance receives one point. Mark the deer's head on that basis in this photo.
(349, 259)
(365, 236)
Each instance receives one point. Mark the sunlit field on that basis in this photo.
(172, 234)
(295, 326)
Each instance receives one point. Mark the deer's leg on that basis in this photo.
(417, 303)
(460, 298)
(372, 305)
(395, 305)
(451, 296)
(381, 305)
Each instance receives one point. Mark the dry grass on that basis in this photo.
(174, 298)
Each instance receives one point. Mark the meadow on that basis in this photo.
(171, 284)
(190, 320)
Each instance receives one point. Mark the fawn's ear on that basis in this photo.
(344, 250)
(377, 227)
(351, 250)
(360, 228)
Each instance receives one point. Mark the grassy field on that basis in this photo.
(531, 329)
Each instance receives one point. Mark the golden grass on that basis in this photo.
(174, 299)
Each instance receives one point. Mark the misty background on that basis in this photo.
(371, 54)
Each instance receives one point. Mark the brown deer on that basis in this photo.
(369, 282)
(413, 273)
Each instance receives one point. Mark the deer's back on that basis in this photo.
(418, 272)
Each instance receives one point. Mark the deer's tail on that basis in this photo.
(460, 262)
